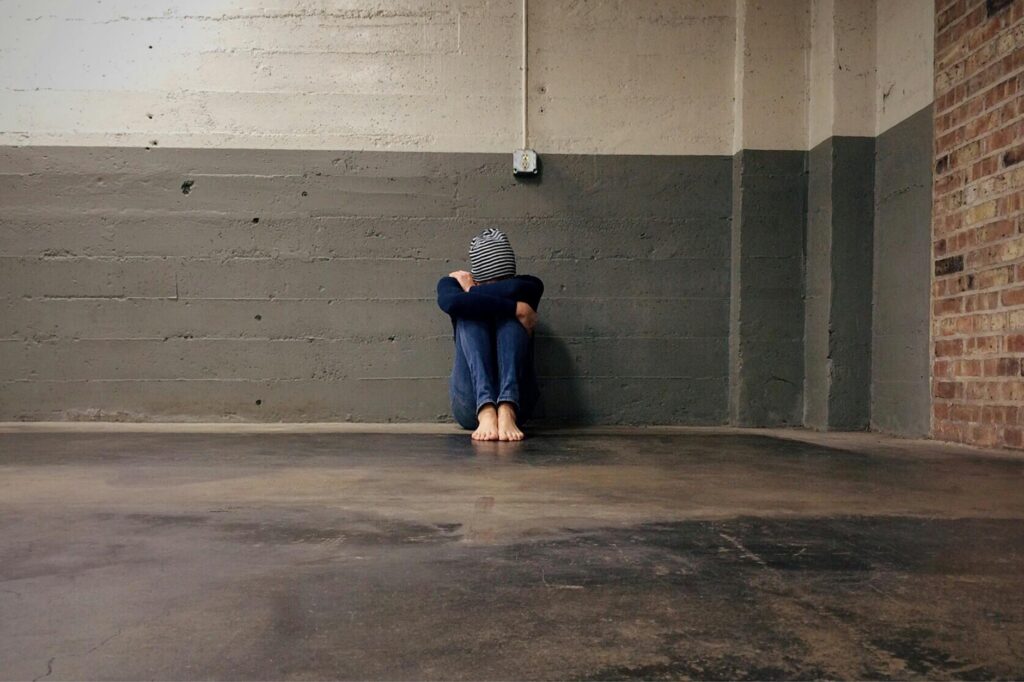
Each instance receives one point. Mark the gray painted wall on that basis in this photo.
(818, 286)
(289, 285)
(900, 395)
(298, 285)
(767, 286)
(839, 284)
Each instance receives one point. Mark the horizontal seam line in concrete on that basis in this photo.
(115, 135)
(409, 15)
(323, 259)
(282, 299)
(33, 211)
(299, 338)
(573, 377)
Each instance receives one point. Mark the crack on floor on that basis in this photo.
(743, 550)
(49, 670)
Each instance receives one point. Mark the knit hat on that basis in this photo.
(491, 256)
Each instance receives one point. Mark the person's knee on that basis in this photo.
(475, 336)
(467, 423)
(511, 325)
(512, 334)
(464, 413)
(472, 327)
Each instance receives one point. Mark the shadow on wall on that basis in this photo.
(562, 398)
(561, 388)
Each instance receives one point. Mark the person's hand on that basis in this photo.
(527, 316)
(465, 279)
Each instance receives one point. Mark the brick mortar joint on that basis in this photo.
(1009, 28)
(975, 249)
(964, 295)
(981, 136)
(964, 14)
(979, 69)
(988, 131)
(990, 313)
(988, 222)
(959, 101)
(1011, 191)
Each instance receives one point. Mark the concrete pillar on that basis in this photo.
(904, 89)
(840, 223)
(767, 314)
(840, 229)
(769, 201)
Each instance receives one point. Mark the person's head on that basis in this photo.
(491, 256)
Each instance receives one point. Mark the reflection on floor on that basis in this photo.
(587, 555)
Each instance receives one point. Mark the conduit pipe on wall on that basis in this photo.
(526, 138)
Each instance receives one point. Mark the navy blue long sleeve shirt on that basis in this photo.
(497, 299)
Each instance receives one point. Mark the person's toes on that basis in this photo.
(511, 434)
(485, 433)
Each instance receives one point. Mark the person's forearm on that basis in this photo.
(524, 289)
(458, 303)
(474, 305)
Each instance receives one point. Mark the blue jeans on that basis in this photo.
(493, 364)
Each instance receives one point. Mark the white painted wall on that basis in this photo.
(841, 70)
(854, 68)
(632, 76)
(905, 57)
(608, 76)
(651, 76)
(771, 82)
(821, 69)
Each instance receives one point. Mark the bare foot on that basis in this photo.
(507, 429)
(488, 427)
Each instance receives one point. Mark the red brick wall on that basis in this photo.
(978, 223)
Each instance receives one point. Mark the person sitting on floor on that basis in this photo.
(493, 386)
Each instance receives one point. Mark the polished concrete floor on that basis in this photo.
(588, 555)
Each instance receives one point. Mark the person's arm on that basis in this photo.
(471, 304)
(528, 293)
(525, 288)
(530, 290)
(527, 316)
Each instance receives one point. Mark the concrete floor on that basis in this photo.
(590, 555)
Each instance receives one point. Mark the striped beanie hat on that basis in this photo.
(491, 256)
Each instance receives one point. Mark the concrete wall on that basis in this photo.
(299, 285)
(904, 56)
(768, 216)
(900, 398)
(679, 220)
(840, 228)
(900, 392)
(651, 77)
(767, 287)
(841, 70)
(771, 43)
(837, 323)
(865, 317)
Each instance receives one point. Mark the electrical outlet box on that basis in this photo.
(524, 162)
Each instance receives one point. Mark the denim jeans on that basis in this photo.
(493, 364)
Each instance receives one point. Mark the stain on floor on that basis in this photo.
(695, 556)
